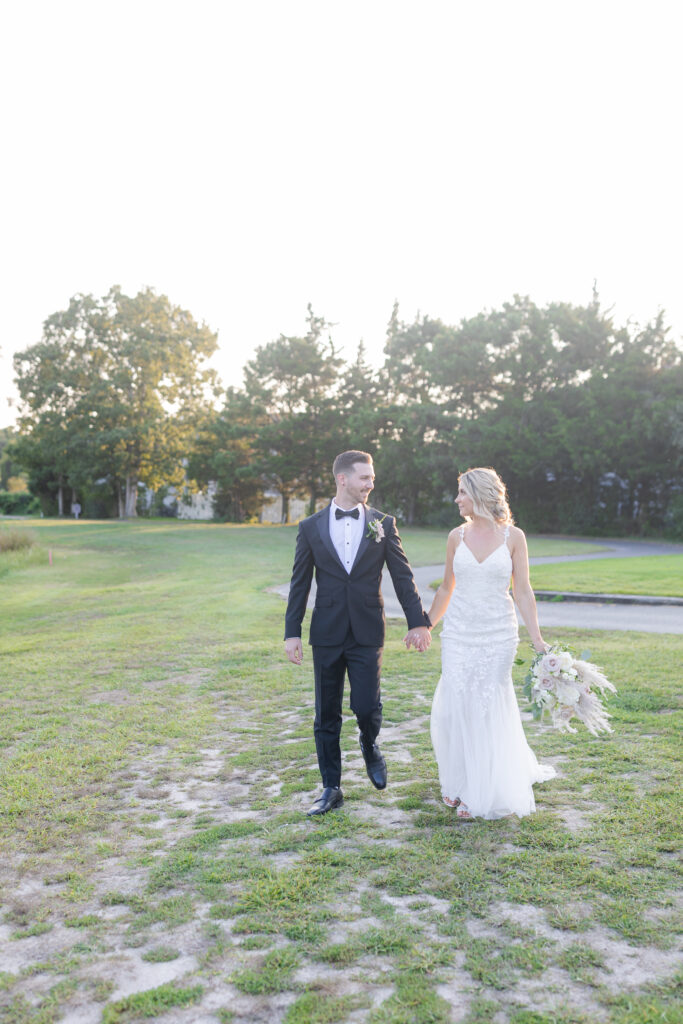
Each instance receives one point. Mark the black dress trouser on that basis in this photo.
(363, 665)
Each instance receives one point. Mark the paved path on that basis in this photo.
(599, 614)
(614, 549)
(575, 614)
(629, 617)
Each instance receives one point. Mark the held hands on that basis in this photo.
(294, 650)
(420, 638)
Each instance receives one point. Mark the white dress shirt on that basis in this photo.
(346, 534)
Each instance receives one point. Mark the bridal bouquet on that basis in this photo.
(565, 686)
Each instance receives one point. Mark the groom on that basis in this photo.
(347, 544)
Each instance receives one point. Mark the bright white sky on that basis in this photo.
(246, 158)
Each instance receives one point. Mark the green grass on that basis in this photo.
(428, 546)
(272, 975)
(414, 1002)
(15, 540)
(17, 558)
(660, 575)
(321, 1008)
(579, 960)
(156, 763)
(39, 928)
(653, 574)
(160, 955)
(151, 1003)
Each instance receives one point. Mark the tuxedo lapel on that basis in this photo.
(365, 540)
(324, 531)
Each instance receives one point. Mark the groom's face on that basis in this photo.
(357, 484)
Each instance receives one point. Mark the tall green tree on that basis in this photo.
(624, 438)
(362, 402)
(44, 454)
(9, 468)
(124, 378)
(413, 473)
(293, 384)
(225, 453)
(407, 373)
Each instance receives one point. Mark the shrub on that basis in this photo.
(18, 503)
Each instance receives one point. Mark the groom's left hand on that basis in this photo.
(294, 650)
(420, 638)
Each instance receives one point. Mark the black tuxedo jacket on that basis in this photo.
(349, 600)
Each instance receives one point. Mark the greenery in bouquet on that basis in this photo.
(568, 687)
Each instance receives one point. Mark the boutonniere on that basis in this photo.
(376, 530)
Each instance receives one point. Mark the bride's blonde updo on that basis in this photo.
(488, 494)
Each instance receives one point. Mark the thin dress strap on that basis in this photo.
(462, 532)
(507, 531)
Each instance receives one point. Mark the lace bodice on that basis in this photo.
(481, 608)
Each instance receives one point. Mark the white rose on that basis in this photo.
(566, 693)
(566, 661)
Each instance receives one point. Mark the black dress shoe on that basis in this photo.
(327, 801)
(374, 762)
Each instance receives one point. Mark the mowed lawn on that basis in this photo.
(428, 546)
(156, 762)
(653, 574)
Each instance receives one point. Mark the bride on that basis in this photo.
(486, 767)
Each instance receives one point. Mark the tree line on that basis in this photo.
(582, 418)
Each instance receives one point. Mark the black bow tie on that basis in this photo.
(339, 513)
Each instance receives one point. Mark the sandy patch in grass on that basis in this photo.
(384, 815)
(627, 967)
(131, 974)
(457, 992)
(577, 817)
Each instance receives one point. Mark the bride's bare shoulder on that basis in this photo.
(517, 535)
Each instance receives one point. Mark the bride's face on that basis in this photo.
(464, 503)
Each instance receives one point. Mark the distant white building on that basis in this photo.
(271, 510)
(198, 506)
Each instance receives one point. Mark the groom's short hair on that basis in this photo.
(344, 462)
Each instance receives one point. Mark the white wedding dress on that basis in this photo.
(480, 746)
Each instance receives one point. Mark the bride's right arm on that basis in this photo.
(443, 594)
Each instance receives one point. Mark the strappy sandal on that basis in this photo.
(463, 813)
(451, 803)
